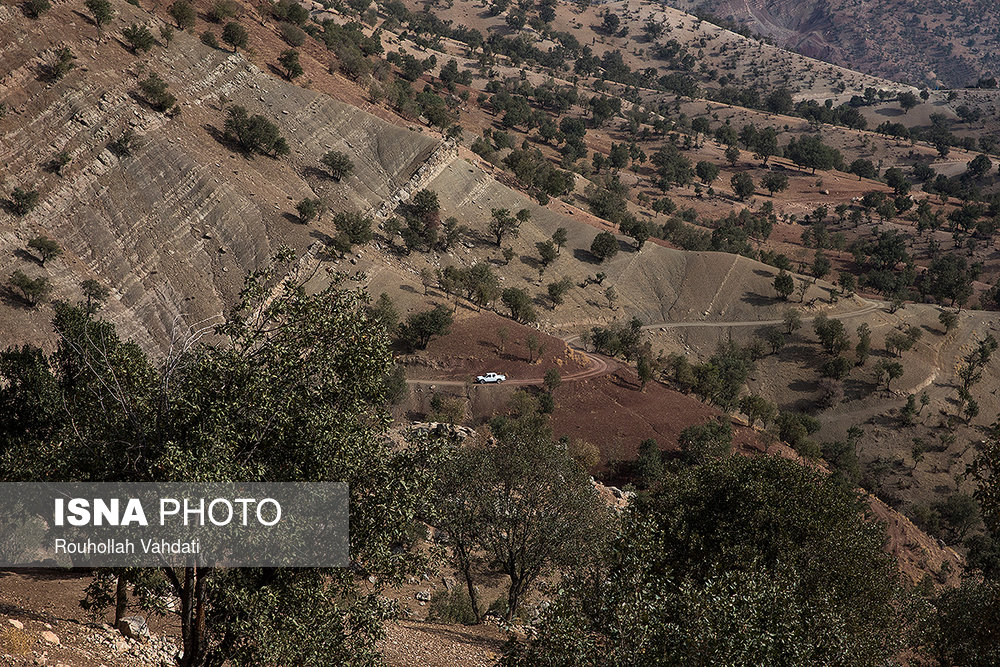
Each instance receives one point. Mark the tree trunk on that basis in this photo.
(194, 603)
(121, 598)
(465, 565)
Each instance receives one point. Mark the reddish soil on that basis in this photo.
(472, 347)
(613, 413)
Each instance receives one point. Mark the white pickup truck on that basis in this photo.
(490, 378)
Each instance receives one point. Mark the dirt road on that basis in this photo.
(599, 365)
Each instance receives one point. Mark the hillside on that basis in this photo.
(945, 44)
(646, 218)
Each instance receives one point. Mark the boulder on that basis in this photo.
(134, 627)
(50, 637)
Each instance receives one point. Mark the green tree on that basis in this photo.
(521, 503)
(649, 466)
(560, 237)
(420, 328)
(948, 320)
(557, 290)
(35, 8)
(707, 171)
(886, 371)
(746, 560)
(907, 100)
(139, 38)
(765, 144)
(96, 295)
(253, 134)
(546, 254)
(962, 627)
(863, 168)
(289, 61)
(33, 290)
(831, 334)
(611, 294)
(810, 152)
(552, 380)
(821, 265)
(704, 442)
(308, 209)
(864, 346)
(742, 185)
(519, 302)
(353, 228)
(792, 320)
(45, 247)
(758, 408)
(23, 200)
(184, 14)
(774, 181)
(155, 91)
(339, 164)
(604, 246)
(732, 155)
(312, 371)
(235, 35)
(503, 225)
(101, 12)
(784, 284)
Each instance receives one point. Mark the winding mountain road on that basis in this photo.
(601, 365)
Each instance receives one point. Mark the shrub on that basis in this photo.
(339, 164)
(253, 134)
(222, 10)
(61, 66)
(154, 91)
(139, 38)
(59, 162)
(123, 145)
(452, 606)
(292, 34)
(308, 209)
(32, 290)
(23, 201)
(35, 8)
(208, 37)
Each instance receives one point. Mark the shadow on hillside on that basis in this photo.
(456, 634)
(23, 254)
(763, 273)
(889, 111)
(11, 298)
(86, 17)
(316, 172)
(585, 256)
(758, 300)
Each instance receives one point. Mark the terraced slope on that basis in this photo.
(171, 228)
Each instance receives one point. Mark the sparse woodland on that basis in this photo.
(772, 280)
